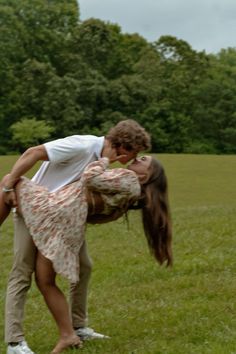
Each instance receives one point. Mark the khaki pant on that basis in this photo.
(20, 282)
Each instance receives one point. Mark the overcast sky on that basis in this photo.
(208, 25)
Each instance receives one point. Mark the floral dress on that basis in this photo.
(57, 220)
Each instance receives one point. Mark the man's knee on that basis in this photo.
(24, 263)
(86, 263)
(86, 267)
(21, 274)
(24, 250)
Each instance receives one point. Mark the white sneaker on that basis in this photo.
(86, 333)
(20, 348)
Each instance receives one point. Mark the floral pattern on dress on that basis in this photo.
(57, 220)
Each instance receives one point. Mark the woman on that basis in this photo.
(57, 222)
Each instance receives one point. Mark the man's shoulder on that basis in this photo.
(75, 139)
(86, 140)
(74, 146)
(85, 137)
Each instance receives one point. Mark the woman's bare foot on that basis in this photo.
(69, 341)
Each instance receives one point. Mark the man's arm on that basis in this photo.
(26, 161)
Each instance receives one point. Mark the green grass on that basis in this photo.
(147, 309)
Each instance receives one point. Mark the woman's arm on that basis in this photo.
(107, 181)
(103, 219)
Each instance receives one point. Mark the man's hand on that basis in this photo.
(8, 193)
(26, 161)
(111, 153)
(22, 165)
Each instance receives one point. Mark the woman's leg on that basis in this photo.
(56, 302)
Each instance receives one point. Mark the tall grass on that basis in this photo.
(147, 309)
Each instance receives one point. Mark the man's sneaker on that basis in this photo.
(86, 333)
(20, 348)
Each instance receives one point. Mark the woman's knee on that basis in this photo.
(43, 284)
(45, 275)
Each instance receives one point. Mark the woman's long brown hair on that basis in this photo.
(156, 214)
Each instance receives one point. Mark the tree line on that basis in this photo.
(62, 76)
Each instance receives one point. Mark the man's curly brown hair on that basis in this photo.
(130, 135)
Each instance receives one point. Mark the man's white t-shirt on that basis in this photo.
(68, 158)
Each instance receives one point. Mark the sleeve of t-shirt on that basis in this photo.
(61, 150)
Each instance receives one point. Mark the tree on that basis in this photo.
(34, 38)
(106, 49)
(215, 104)
(29, 132)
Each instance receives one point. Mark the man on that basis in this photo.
(64, 161)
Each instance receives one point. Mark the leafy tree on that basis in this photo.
(29, 132)
(106, 49)
(34, 37)
(215, 103)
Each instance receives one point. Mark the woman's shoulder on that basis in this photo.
(128, 175)
(123, 172)
(129, 179)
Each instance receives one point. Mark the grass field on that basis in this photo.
(147, 309)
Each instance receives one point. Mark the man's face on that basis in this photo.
(130, 155)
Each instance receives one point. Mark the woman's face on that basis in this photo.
(141, 166)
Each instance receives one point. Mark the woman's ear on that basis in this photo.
(143, 177)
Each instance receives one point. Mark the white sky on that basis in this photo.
(208, 25)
